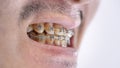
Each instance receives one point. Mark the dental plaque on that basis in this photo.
(50, 33)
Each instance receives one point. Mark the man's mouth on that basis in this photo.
(54, 29)
(51, 33)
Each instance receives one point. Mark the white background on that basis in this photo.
(101, 44)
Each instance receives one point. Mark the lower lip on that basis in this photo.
(55, 50)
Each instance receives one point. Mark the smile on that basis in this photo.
(54, 30)
(52, 34)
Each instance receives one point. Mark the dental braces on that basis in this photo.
(53, 34)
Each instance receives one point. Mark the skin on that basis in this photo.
(18, 51)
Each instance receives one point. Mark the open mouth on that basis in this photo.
(58, 33)
(51, 33)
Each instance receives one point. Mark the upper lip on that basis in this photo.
(65, 21)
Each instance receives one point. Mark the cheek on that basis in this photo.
(9, 28)
(9, 18)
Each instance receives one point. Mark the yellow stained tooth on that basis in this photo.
(59, 37)
(68, 40)
(59, 30)
(38, 27)
(63, 43)
(49, 28)
(41, 38)
(29, 28)
(57, 42)
(50, 39)
(32, 35)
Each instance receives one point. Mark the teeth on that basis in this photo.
(32, 35)
(50, 39)
(70, 33)
(59, 37)
(64, 43)
(59, 30)
(41, 38)
(57, 42)
(29, 29)
(38, 28)
(50, 34)
(68, 40)
(49, 28)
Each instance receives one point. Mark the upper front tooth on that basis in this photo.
(29, 28)
(38, 27)
(49, 28)
(59, 30)
(70, 33)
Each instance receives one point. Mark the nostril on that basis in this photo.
(47, 33)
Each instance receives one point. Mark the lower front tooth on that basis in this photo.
(50, 39)
(68, 40)
(57, 42)
(59, 37)
(64, 43)
(41, 38)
